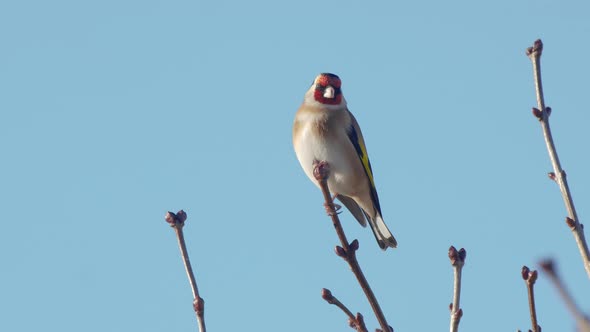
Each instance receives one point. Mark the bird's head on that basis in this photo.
(326, 89)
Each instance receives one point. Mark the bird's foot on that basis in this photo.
(333, 209)
(337, 207)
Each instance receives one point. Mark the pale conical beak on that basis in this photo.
(329, 92)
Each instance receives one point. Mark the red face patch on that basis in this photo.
(326, 79)
(322, 82)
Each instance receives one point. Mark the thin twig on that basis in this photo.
(542, 113)
(176, 221)
(529, 278)
(583, 322)
(457, 258)
(348, 250)
(357, 322)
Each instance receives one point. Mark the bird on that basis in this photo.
(325, 130)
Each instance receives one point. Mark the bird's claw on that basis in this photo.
(332, 209)
(337, 207)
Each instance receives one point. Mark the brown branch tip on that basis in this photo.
(457, 257)
(175, 219)
(358, 323)
(327, 295)
(529, 276)
(321, 170)
(536, 49)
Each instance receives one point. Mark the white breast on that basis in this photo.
(334, 148)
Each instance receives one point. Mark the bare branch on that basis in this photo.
(457, 258)
(583, 322)
(542, 113)
(529, 278)
(176, 221)
(356, 322)
(347, 251)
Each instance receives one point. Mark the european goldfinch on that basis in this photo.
(325, 130)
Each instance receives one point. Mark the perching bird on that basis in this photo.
(325, 130)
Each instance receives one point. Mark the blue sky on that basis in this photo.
(114, 112)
